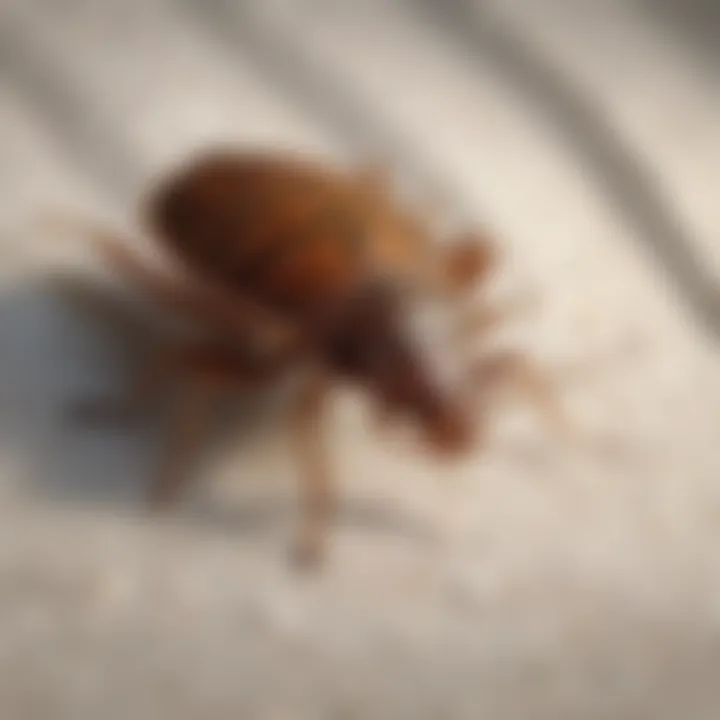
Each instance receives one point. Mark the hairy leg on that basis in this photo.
(504, 372)
(466, 261)
(204, 373)
(477, 321)
(314, 471)
(207, 306)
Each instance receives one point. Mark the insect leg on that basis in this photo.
(206, 372)
(189, 422)
(477, 321)
(208, 306)
(506, 371)
(465, 262)
(451, 270)
(315, 474)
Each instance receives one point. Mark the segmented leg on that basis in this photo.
(189, 423)
(465, 262)
(208, 307)
(205, 373)
(208, 375)
(503, 372)
(315, 474)
(479, 320)
(449, 270)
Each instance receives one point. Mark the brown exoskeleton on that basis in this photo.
(281, 261)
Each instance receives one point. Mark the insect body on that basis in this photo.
(283, 261)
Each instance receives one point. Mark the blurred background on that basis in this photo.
(537, 580)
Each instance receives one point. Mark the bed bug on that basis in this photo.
(285, 262)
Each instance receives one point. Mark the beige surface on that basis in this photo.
(565, 584)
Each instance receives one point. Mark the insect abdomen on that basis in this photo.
(281, 232)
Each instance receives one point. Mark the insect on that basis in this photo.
(283, 262)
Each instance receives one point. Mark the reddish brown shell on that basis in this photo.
(293, 234)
